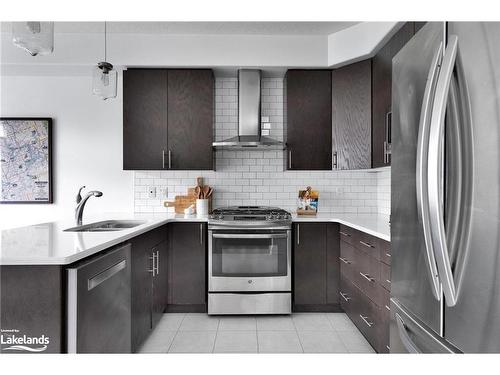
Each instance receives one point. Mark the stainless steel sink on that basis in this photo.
(106, 226)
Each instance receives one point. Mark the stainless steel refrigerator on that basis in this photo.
(445, 198)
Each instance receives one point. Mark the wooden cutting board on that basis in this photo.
(181, 203)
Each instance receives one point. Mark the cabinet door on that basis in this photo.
(160, 281)
(351, 116)
(332, 264)
(187, 265)
(308, 120)
(141, 290)
(310, 264)
(190, 119)
(382, 95)
(144, 118)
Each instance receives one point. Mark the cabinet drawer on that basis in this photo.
(368, 276)
(384, 326)
(368, 320)
(385, 276)
(348, 296)
(348, 234)
(368, 244)
(385, 252)
(347, 261)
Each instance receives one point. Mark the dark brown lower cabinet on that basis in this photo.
(187, 267)
(32, 302)
(149, 289)
(316, 269)
(365, 286)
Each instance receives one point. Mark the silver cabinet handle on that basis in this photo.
(365, 319)
(298, 234)
(345, 297)
(345, 260)
(421, 170)
(367, 277)
(289, 159)
(106, 274)
(201, 234)
(387, 142)
(169, 159)
(163, 159)
(387, 255)
(345, 234)
(387, 307)
(152, 269)
(403, 334)
(388, 347)
(388, 281)
(334, 160)
(157, 262)
(366, 244)
(435, 169)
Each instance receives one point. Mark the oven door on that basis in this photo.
(249, 261)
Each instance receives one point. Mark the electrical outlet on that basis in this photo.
(152, 192)
(164, 192)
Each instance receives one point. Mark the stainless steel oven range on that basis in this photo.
(249, 261)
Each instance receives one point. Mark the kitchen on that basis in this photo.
(281, 193)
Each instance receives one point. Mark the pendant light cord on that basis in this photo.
(105, 37)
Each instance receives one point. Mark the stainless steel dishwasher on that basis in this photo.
(99, 304)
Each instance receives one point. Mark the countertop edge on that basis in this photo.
(153, 224)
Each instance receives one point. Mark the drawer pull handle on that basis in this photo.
(387, 255)
(388, 281)
(345, 297)
(387, 307)
(345, 260)
(366, 244)
(367, 277)
(345, 234)
(388, 347)
(368, 323)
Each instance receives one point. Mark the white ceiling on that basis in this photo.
(203, 28)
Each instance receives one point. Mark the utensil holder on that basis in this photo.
(201, 207)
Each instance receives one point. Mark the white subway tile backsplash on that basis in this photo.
(257, 177)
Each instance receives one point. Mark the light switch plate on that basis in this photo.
(152, 192)
(164, 192)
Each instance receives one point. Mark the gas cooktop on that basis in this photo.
(250, 215)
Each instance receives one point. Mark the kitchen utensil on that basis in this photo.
(198, 192)
(209, 194)
(206, 189)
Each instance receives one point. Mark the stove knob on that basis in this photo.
(220, 217)
(269, 217)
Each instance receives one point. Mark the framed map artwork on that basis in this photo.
(25, 160)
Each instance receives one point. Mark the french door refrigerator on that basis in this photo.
(445, 220)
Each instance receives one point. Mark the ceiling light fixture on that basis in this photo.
(37, 38)
(104, 77)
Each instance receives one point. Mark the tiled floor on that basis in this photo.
(298, 333)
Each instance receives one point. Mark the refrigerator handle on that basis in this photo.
(435, 172)
(421, 171)
(403, 334)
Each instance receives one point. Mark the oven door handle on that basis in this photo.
(250, 236)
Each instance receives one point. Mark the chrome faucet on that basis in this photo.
(81, 203)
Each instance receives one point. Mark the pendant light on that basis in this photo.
(36, 38)
(104, 77)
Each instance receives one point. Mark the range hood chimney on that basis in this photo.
(249, 134)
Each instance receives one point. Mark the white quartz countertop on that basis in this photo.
(49, 244)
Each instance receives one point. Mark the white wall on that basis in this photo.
(87, 144)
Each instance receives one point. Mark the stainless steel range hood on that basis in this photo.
(249, 135)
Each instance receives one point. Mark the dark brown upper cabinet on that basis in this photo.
(168, 119)
(308, 120)
(382, 94)
(351, 116)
